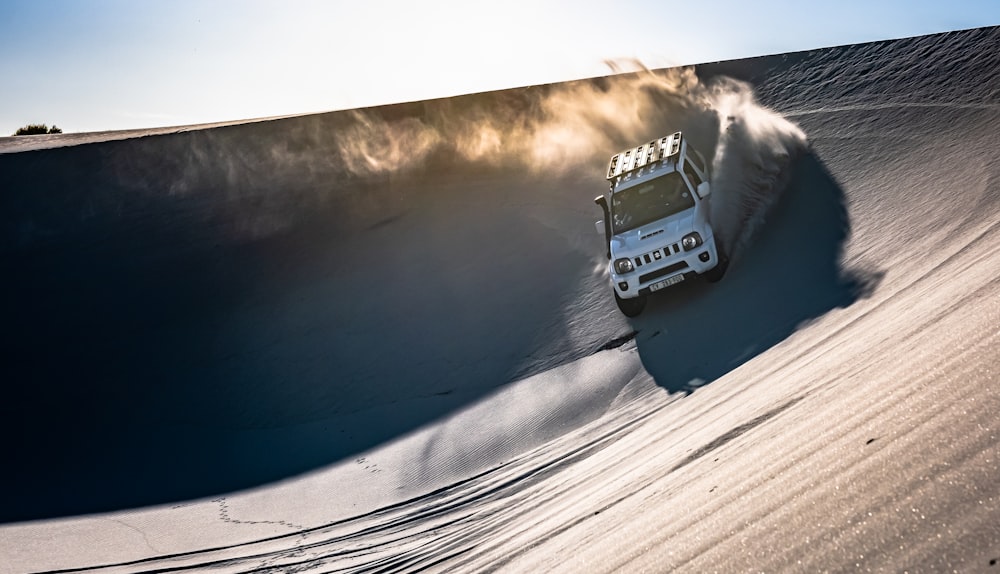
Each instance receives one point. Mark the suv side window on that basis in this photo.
(696, 160)
(691, 175)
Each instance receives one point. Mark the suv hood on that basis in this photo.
(653, 235)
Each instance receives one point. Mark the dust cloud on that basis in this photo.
(559, 128)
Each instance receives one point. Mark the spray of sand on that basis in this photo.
(578, 125)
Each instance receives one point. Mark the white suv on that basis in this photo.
(656, 220)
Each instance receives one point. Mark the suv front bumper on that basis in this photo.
(651, 276)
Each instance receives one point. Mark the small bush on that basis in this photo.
(37, 129)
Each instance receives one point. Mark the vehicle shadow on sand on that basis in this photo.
(790, 273)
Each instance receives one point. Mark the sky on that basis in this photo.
(94, 65)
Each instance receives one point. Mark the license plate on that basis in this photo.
(666, 283)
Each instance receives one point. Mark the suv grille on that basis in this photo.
(657, 255)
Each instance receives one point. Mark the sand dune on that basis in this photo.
(383, 339)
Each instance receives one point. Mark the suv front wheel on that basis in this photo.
(630, 307)
(716, 273)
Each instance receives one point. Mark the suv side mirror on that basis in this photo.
(599, 226)
(704, 189)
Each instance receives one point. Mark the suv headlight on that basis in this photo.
(623, 265)
(691, 241)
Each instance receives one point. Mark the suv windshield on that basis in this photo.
(649, 201)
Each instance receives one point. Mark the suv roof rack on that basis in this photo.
(629, 160)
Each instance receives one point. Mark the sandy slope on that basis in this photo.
(829, 406)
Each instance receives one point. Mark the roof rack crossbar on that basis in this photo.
(627, 161)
